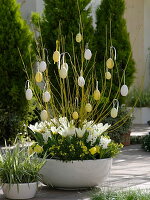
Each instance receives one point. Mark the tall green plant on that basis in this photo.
(14, 35)
(112, 31)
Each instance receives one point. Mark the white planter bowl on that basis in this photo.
(26, 190)
(75, 174)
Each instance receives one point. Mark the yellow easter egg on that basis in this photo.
(38, 77)
(110, 63)
(75, 115)
(78, 37)
(108, 75)
(56, 56)
(97, 95)
(88, 107)
(114, 112)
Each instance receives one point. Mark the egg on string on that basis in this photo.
(110, 63)
(42, 66)
(97, 95)
(44, 115)
(29, 94)
(78, 37)
(81, 81)
(114, 112)
(46, 96)
(124, 90)
(65, 65)
(63, 72)
(75, 115)
(38, 77)
(56, 56)
(87, 54)
(88, 107)
(108, 75)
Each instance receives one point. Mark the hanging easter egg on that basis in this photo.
(88, 107)
(124, 90)
(108, 75)
(78, 37)
(75, 115)
(46, 96)
(63, 73)
(97, 95)
(81, 81)
(38, 77)
(44, 115)
(87, 54)
(29, 94)
(65, 65)
(56, 56)
(42, 66)
(114, 112)
(110, 63)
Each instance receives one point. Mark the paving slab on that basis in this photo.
(131, 169)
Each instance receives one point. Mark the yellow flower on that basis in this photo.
(97, 149)
(93, 150)
(84, 148)
(38, 149)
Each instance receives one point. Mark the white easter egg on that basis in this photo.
(46, 96)
(88, 107)
(75, 115)
(110, 63)
(63, 73)
(97, 95)
(114, 112)
(78, 37)
(42, 66)
(38, 77)
(108, 75)
(44, 115)
(87, 54)
(56, 56)
(124, 90)
(65, 65)
(29, 94)
(81, 81)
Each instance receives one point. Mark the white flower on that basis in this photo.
(54, 129)
(104, 142)
(46, 135)
(80, 132)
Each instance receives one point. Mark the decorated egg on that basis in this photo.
(110, 63)
(46, 96)
(63, 72)
(29, 94)
(65, 65)
(75, 115)
(97, 95)
(87, 54)
(114, 112)
(42, 66)
(44, 115)
(124, 90)
(78, 37)
(88, 107)
(38, 77)
(81, 81)
(108, 75)
(56, 56)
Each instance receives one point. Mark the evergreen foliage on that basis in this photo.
(110, 17)
(14, 35)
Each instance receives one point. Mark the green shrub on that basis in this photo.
(146, 143)
(113, 11)
(14, 35)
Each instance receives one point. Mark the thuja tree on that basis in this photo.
(112, 31)
(14, 37)
(62, 20)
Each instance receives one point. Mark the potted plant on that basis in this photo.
(19, 172)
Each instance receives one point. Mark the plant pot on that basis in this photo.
(75, 174)
(125, 139)
(20, 191)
